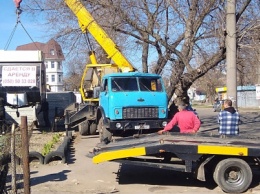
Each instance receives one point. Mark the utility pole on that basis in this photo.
(231, 51)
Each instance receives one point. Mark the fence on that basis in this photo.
(14, 151)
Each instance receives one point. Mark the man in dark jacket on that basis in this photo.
(228, 120)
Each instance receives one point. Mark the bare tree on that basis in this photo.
(182, 40)
(248, 46)
(179, 31)
(210, 81)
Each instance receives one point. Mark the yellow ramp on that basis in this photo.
(117, 154)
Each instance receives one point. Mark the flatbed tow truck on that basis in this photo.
(231, 161)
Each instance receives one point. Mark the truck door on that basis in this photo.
(104, 97)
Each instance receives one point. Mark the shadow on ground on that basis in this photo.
(130, 174)
(61, 176)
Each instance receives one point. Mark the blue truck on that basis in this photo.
(127, 102)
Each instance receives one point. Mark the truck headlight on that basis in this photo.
(118, 125)
(164, 123)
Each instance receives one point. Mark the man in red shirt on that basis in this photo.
(186, 120)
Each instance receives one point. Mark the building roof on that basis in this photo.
(239, 88)
(46, 48)
(246, 88)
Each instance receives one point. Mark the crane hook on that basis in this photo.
(18, 9)
(17, 3)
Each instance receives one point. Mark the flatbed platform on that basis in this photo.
(230, 160)
(177, 143)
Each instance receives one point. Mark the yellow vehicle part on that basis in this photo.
(223, 150)
(118, 154)
(144, 151)
(88, 23)
(98, 68)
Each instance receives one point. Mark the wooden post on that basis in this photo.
(13, 162)
(66, 122)
(25, 155)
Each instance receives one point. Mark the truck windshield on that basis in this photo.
(124, 84)
(152, 84)
(135, 84)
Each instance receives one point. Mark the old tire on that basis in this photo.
(93, 128)
(104, 135)
(36, 156)
(84, 128)
(54, 156)
(233, 175)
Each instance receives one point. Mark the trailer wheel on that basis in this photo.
(104, 135)
(93, 128)
(84, 128)
(233, 175)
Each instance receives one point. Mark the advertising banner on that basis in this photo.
(19, 76)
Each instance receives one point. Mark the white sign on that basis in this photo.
(257, 90)
(19, 76)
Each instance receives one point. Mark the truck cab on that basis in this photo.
(129, 101)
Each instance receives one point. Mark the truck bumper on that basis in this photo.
(137, 124)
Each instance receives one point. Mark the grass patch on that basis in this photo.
(48, 146)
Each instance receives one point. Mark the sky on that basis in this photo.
(8, 20)
(36, 31)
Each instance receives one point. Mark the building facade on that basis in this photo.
(53, 57)
(246, 96)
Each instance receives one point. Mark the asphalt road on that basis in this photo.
(80, 175)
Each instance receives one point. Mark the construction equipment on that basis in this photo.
(116, 99)
(230, 160)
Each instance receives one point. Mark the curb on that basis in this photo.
(60, 152)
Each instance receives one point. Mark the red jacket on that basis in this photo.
(187, 121)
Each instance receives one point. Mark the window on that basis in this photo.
(59, 65)
(46, 64)
(47, 78)
(52, 51)
(150, 84)
(53, 78)
(124, 84)
(52, 64)
(104, 85)
(60, 78)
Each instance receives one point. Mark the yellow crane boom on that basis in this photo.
(88, 23)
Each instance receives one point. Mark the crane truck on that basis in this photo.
(116, 97)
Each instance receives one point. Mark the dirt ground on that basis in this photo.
(80, 175)
(39, 139)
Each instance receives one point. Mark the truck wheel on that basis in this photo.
(92, 128)
(84, 128)
(233, 175)
(104, 135)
